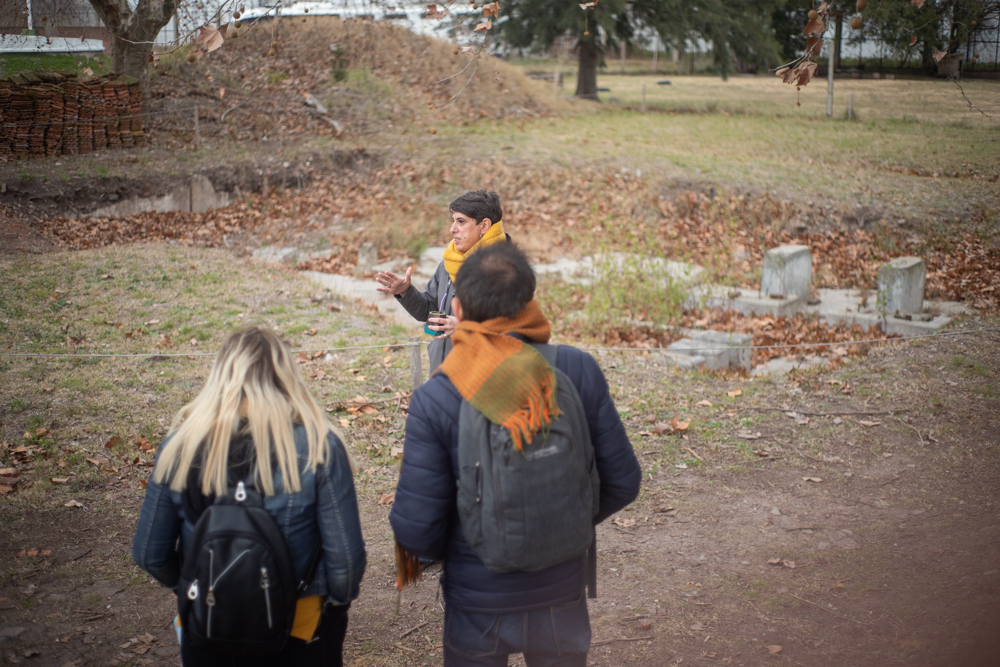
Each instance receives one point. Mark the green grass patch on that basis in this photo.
(13, 63)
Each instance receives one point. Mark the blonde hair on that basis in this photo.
(255, 388)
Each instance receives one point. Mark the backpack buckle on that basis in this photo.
(241, 492)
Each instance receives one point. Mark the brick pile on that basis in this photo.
(49, 113)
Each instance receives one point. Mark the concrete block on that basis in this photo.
(683, 361)
(787, 271)
(429, 260)
(736, 345)
(204, 196)
(367, 256)
(178, 200)
(715, 356)
(917, 326)
(276, 254)
(746, 301)
(901, 286)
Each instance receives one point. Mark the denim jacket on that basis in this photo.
(326, 507)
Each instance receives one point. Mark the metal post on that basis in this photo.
(644, 98)
(829, 84)
(31, 22)
(416, 370)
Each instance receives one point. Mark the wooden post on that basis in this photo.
(623, 56)
(197, 132)
(850, 107)
(416, 371)
(555, 81)
(656, 50)
(644, 98)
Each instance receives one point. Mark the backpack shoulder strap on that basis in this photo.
(550, 352)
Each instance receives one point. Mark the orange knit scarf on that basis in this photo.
(506, 380)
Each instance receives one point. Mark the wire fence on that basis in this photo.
(383, 346)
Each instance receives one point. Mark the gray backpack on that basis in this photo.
(532, 509)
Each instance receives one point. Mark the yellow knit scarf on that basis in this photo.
(453, 258)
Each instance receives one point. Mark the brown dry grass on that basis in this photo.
(417, 75)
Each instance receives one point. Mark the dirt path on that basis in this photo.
(893, 557)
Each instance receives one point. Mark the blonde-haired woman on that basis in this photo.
(255, 407)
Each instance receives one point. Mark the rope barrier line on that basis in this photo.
(192, 354)
(803, 345)
(897, 339)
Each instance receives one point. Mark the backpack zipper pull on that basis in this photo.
(192, 593)
(265, 583)
(241, 492)
(210, 598)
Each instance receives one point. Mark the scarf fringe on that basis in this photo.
(538, 414)
(407, 567)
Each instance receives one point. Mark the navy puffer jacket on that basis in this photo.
(424, 515)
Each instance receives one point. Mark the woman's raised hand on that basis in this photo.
(390, 283)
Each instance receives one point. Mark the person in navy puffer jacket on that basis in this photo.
(490, 615)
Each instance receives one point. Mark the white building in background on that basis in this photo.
(454, 27)
(50, 26)
(68, 26)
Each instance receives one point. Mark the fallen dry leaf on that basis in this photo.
(73, 503)
(624, 523)
(707, 404)
(774, 649)
(386, 498)
(733, 393)
(60, 480)
(868, 424)
(816, 480)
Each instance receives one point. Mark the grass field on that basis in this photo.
(913, 151)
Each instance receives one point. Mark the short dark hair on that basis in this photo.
(478, 204)
(497, 281)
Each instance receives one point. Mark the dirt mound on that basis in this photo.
(366, 75)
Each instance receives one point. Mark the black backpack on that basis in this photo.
(237, 591)
(531, 509)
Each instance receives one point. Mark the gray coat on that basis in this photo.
(419, 304)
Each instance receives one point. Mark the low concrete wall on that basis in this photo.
(197, 196)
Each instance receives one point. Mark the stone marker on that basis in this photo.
(714, 356)
(787, 271)
(901, 286)
(367, 256)
(736, 345)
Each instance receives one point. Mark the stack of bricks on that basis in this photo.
(48, 113)
(6, 129)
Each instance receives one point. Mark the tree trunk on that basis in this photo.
(586, 76)
(133, 32)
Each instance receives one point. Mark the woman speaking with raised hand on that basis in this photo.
(476, 222)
